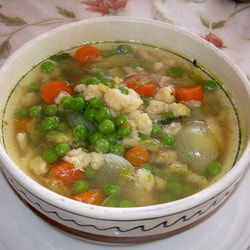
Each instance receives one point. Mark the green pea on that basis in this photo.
(78, 103)
(50, 156)
(169, 141)
(156, 130)
(117, 149)
(209, 85)
(169, 115)
(112, 137)
(111, 202)
(109, 83)
(175, 189)
(112, 190)
(35, 111)
(21, 113)
(66, 102)
(106, 127)
(50, 122)
(50, 109)
(47, 66)
(175, 72)
(96, 136)
(62, 149)
(121, 119)
(96, 103)
(62, 126)
(102, 114)
(102, 145)
(89, 172)
(104, 79)
(108, 53)
(134, 64)
(124, 90)
(80, 186)
(124, 131)
(124, 49)
(80, 132)
(213, 169)
(92, 81)
(89, 114)
(126, 203)
(33, 87)
(146, 100)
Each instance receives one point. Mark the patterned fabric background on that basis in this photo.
(224, 23)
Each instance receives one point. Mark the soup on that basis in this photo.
(121, 125)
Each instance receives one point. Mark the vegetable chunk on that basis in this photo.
(86, 54)
(93, 197)
(66, 172)
(189, 93)
(52, 89)
(137, 155)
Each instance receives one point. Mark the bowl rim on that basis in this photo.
(137, 213)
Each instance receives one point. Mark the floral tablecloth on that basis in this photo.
(221, 22)
(224, 23)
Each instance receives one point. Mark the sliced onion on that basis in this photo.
(118, 164)
(196, 145)
(116, 161)
(75, 119)
(134, 187)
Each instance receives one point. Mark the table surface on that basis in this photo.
(221, 22)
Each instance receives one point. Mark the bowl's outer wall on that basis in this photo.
(124, 228)
(101, 29)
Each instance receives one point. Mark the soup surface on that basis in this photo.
(121, 125)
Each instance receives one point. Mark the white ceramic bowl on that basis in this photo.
(128, 224)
